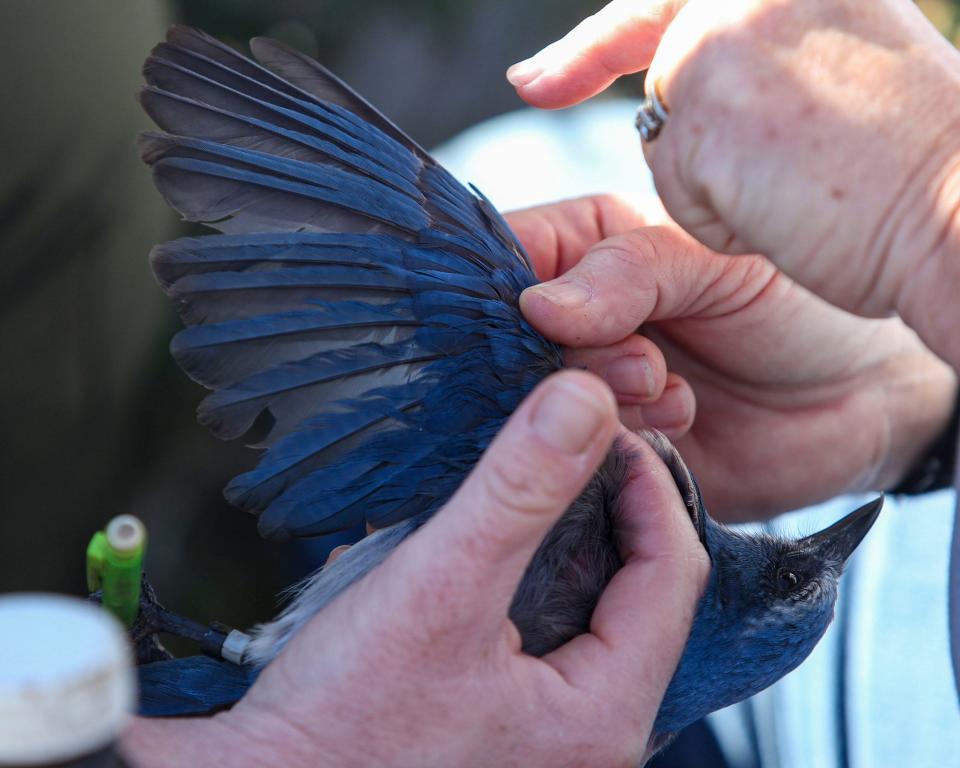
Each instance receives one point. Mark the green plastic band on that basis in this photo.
(115, 565)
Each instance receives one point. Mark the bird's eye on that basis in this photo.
(787, 580)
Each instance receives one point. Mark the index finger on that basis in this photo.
(648, 274)
(558, 235)
(619, 39)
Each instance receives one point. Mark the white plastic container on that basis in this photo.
(67, 684)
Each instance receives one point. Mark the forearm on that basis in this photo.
(918, 241)
(917, 410)
(930, 299)
(925, 245)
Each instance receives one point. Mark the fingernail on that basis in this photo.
(631, 375)
(524, 72)
(567, 418)
(569, 294)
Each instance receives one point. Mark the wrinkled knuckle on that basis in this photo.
(639, 248)
(608, 202)
(606, 62)
(516, 482)
(626, 264)
(626, 258)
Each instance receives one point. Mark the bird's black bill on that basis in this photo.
(841, 538)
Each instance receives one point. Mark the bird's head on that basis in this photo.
(768, 601)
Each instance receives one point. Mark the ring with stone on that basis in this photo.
(652, 115)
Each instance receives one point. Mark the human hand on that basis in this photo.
(796, 400)
(417, 664)
(819, 133)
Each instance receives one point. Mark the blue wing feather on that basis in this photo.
(222, 76)
(325, 145)
(194, 685)
(359, 319)
(221, 354)
(260, 251)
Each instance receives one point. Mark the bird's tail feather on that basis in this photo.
(195, 685)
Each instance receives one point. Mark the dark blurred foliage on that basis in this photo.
(434, 66)
(96, 419)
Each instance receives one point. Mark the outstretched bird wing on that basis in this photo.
(359, 319)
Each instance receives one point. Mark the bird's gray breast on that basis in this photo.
(573, 565)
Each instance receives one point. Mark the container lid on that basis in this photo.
(66, 678)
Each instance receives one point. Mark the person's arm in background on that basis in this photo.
(418, 664)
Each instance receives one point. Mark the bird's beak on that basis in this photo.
(840, 539)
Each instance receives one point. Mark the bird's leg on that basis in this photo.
(153, 620)
(145, 628)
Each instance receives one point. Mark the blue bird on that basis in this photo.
(358, 320)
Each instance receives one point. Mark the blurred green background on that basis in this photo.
(95, 419)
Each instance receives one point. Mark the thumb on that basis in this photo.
(619, 39)
(479, 545)
(653, 273)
